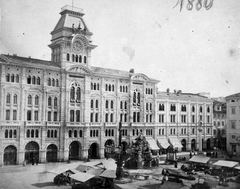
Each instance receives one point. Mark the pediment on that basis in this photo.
(140, 77)
(79, 69)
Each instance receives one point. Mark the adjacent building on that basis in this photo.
(67, 108)
(233, 122)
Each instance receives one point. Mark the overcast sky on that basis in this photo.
(193, 51)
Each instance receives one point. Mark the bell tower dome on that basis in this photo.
(71, 39)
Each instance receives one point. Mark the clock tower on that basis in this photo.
(71, 39)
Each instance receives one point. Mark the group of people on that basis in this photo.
(34, 161)
(212, 154)
(165, 174)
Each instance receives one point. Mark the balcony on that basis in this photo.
(75, 124)
(9, 123)
(53, 123)
(33, 123)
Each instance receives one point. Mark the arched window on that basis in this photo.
(33, 80)
(80, 133)
(8, 99)
(106, 117)
(94, 86)
(49, 82)
(150, 106)
(92, 103)
(138, 98)
(80, 58)
(36, 133)
(146, 106)
(112, 87)
(29, 100)
(68, 57)
(134, 97)
(138, 117)
(193, 109)
(208, 109)
(29, 115)
(121, 105)
(53, 82)
(91, 86)
(97, 133)
(75, 133)
(78, 94)
(76, 58)
(111, 116)
(125, 118)
(106, 132)
(96, 105)
(91, 117)
(32, 133)
(28, 133)
(94, 133)
(12, 78)
(85, 59)
(71, 115)
(111, 104)
(36, 100)
(49, 101)
(121, 88)
(134, 116)
(72, 94)
(106, 104)
(14, 133)
(78, 116)
(200, 109)
(106, 87)
(17, 78)
(96, 117)
(6, 133)
(73, 58)
(14, 114)
(69, 133)
(49, 115)
(55, 134)
(8, 77)
(98, 86)
(125, 105)
(55, 116)
(48, 134)
(91, 133)
(51, 133)
(38, 81)
(29, 79)
(57, 83)
(55, 101)
(7, 114)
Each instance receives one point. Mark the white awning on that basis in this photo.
(226, 163)
(175, 142)
(152, 144)
(200, 159)
(163, 142)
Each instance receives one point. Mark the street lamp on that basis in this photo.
(200, 129)
(119, 157)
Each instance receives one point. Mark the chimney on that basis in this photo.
(131, 70)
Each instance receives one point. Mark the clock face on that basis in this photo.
(77, 46)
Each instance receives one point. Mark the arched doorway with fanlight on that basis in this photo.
(52, 153)
(184, 144)
(10, 155)
(31, 152)
(93, 151)
(75, 151)
(193, 144)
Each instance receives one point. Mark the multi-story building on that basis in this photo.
(219, 122)
(233, 124)
(68, 109)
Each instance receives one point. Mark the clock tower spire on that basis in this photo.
(71, 39)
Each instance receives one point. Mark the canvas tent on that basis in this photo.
(223, 163)
(200, 159)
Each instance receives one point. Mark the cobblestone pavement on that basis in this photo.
(31, 176)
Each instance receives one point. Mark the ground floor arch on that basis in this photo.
(10, 155)
(193, 144)
(75, 150)
(93, 151)
(52, 153)
(32, 152)
(109, 147)
(184, 144)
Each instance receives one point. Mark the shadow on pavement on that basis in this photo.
(44, 184)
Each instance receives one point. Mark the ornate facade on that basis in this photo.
(68, 109)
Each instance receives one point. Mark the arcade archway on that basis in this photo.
(75, 151)
(109, 148)
(52, 152)
(193, 144)
(10, 155)
(93, 151)
(31, 152)
(184, 144)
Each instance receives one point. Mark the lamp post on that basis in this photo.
(119, 152)
(200, 137)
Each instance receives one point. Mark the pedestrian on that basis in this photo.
(36, 161)
(190, 155)
(33, 161)
(163, 172)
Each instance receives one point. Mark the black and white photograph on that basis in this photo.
(119, 94)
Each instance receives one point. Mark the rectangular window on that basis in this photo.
(172, 118)
(7, 114)
(55, 116)
(29, 115)
(183, 118)
(233, 125)
(233, 110)
(233, 137)
(200, 118)
(222, 123)
(161, 118)
(208, 119)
